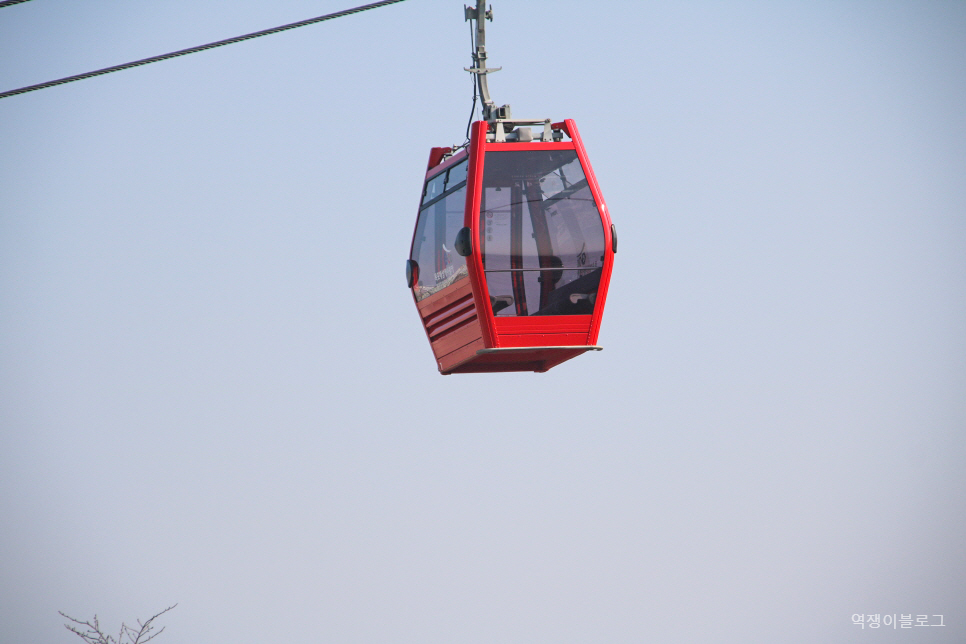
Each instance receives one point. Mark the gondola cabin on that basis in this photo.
(513, 249)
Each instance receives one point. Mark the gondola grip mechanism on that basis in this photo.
(481, 14)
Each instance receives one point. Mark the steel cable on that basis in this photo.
(7, 3)
(193, 50)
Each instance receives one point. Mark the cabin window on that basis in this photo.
(440, 218)
(541, 235)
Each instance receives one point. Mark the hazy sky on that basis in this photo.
(215, 389)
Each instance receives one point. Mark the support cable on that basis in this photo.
(7, 3)
(192, 50)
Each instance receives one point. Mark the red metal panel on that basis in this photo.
(477, 366)
(474, 263)
(535, 145)
(451, 362)
(460, 337)
(543, 339)
(456, 304)
(435, 156)
(535, 360)
(450, 320)
(571, 129)
(545, 324)
(430, 305)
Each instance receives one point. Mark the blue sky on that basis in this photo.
(215, 389)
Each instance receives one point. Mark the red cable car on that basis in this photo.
(513, 247)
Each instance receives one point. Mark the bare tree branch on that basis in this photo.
(92, 633)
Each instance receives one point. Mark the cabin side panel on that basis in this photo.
(452, 325)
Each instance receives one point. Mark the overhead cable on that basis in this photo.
(7, 3)
(192, 50)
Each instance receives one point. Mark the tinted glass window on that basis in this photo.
(444, 181)
(434, 187)
(441, 217)
(541, 235)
